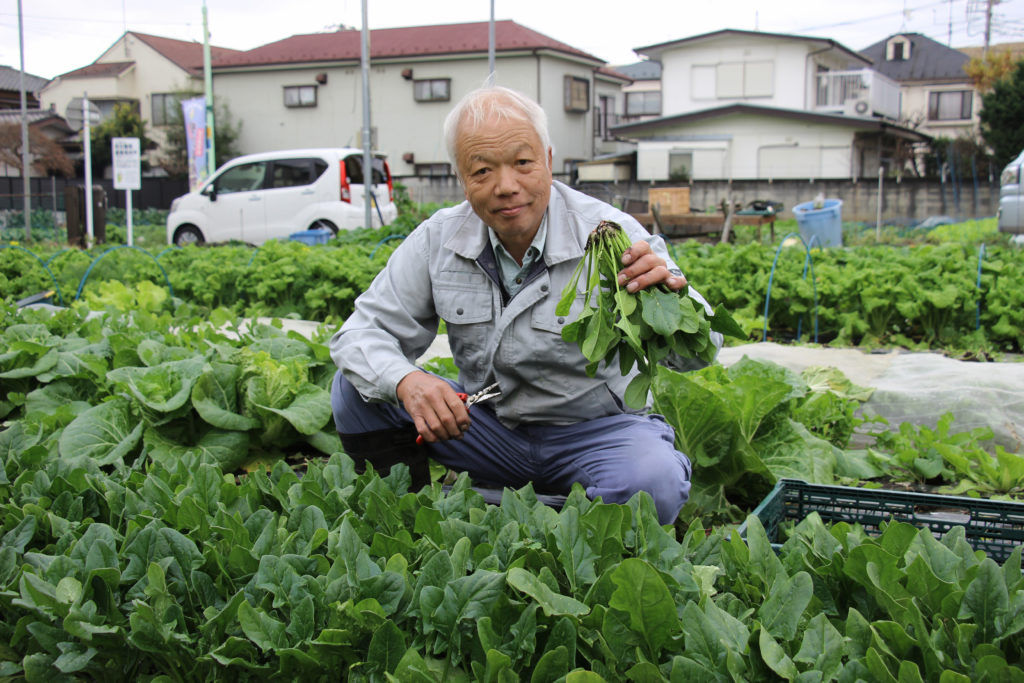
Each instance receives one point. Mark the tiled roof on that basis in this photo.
(929, 60)
(187, 55)
(34, 117)
(99, 70)
(10, 79)
(769, 112)
(647, 70)
(653, 50)
(411, 41)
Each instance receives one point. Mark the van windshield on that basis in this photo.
(354, 170)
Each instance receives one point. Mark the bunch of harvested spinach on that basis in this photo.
(642, 329)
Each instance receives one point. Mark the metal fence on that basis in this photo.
(48, 193)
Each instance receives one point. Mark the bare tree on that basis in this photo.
(48, 157)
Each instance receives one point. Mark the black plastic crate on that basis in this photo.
(996, 527)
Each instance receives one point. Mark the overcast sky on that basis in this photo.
(62, 35)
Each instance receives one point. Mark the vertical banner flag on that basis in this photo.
(194, 113)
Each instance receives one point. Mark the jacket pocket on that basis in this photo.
(467, 309)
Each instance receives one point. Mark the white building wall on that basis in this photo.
(693, 77)
(403, 125)
(755, 147)
(914, 110)
(152, 73)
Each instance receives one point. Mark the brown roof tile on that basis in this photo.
(399, 42)
(99, 70)
(186, 54)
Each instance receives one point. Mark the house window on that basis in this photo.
(643, 103)
(605, 118)
(897, 50)
(300, 96)
(950, 105)
(680, 166)
(165, 108)
(744, 79)
(434, 170)
(577, 94)
(432, 90)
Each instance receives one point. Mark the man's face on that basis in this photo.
(506, 175)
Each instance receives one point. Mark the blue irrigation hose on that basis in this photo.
(386, 239)
(771, 278)
(96, 260)
(56, 287)
(977, 315)
(51, 259)
(173, 246)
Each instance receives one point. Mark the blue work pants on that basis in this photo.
(612, 457)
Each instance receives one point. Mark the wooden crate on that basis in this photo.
(674, 200)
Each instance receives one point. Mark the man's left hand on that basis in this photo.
(644, 268)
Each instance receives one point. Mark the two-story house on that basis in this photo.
(747, 104)
(936, 96)
(148, 72)
(306, 91)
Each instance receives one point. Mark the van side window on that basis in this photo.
(292, 173)
(242, 178)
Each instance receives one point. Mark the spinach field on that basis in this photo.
(175, 505)
(176, 508)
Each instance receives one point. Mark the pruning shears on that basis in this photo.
(484, 394)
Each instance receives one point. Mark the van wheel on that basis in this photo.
(323, 224)
(188, 234)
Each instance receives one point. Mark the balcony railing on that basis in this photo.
(840, 92)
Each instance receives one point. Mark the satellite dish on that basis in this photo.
(73, 114)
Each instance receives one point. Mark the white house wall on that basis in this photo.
(914, 110)
(754, 147)
(152, 73)
(403, 126)
(688, 73)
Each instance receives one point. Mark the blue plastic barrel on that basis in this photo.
(823, 225)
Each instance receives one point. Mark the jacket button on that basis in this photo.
(458, 311)
(561, 321)
(543, 288)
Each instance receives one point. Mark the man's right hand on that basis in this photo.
(436, 409)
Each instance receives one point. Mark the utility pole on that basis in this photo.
(26, 170)
(490, 44)
(367, 130)
(211, 149)
(988, 26)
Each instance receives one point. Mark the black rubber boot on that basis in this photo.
(387, 447)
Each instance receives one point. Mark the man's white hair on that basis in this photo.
(493, 101)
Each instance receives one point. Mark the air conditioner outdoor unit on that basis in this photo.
(857, 106)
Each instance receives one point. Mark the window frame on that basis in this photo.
(430, 83)
(571, 97)
(645, 96)
(298, 90)
(165, 114)
(935, 106)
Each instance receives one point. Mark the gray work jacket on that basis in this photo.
(445, 269)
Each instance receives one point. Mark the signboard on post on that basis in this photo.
(127, 157)
(75, 116)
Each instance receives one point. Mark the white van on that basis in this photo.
(1011, 197)
(258, 197)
